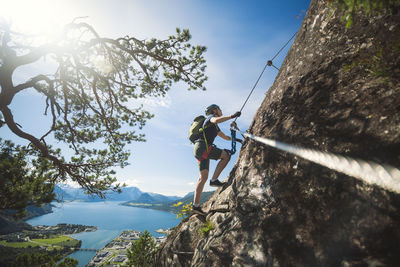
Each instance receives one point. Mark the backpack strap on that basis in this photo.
(205, 139)
(204, 135)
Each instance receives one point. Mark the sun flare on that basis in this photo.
(35, 17)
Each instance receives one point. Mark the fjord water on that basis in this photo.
(111, 219)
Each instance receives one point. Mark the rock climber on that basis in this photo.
(204, 150)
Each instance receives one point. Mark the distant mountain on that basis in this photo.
(127, 193)
(61, 192)
(69, 193)
(66, 192)
(163, 198)
(166, 206)
(146, 198)
(189, 197)
(34, 211)
(190, 194)
(9, 225)
(153, 198)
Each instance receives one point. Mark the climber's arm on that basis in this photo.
(224, 136)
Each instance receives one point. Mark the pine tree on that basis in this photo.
(142, 251)
(43, 260)
(23, 184)
(90, 95)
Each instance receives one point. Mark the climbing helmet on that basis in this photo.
(210, 109)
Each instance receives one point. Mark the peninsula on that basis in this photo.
(115, 252)
(43, 239)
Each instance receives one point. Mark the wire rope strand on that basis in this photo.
(255, 85)
(284, 46)
(382, 175)
(259, 77)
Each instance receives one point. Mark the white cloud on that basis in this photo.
(71, 183)
(151, 104)
(130, 182)
(155, 102)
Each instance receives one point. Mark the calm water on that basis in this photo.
(111, 219)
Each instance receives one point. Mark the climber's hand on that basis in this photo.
(234, 125)
(237, 114)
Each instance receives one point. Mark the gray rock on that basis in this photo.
(272, 214)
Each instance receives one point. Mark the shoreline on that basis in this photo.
(115, 252)
(50, 240)
(122, 218)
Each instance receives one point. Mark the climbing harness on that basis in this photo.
(385, 176)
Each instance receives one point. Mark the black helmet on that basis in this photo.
(210, 109)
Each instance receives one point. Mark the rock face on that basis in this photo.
(338, 90)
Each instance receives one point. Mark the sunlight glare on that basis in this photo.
(35, 17)
(101, 63)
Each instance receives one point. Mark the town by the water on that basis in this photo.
(115, 252)
(57, 238)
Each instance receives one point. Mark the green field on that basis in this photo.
(18, 244)
(62, 240)
(56, 242)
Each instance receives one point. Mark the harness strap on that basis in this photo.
(205, 154)
(205, 139)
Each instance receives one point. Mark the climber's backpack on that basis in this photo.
(196, 129)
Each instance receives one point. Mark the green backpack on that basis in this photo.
(196, 129)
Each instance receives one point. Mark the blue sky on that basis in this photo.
(240, 37)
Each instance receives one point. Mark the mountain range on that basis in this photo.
(168, 205)
(132, 196)
(68, 193)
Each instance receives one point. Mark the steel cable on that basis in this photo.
(385, 176)
(269, 63)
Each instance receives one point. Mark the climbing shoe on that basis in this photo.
(198, 210)
(216, 183)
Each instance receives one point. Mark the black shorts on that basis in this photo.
(204, 155)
